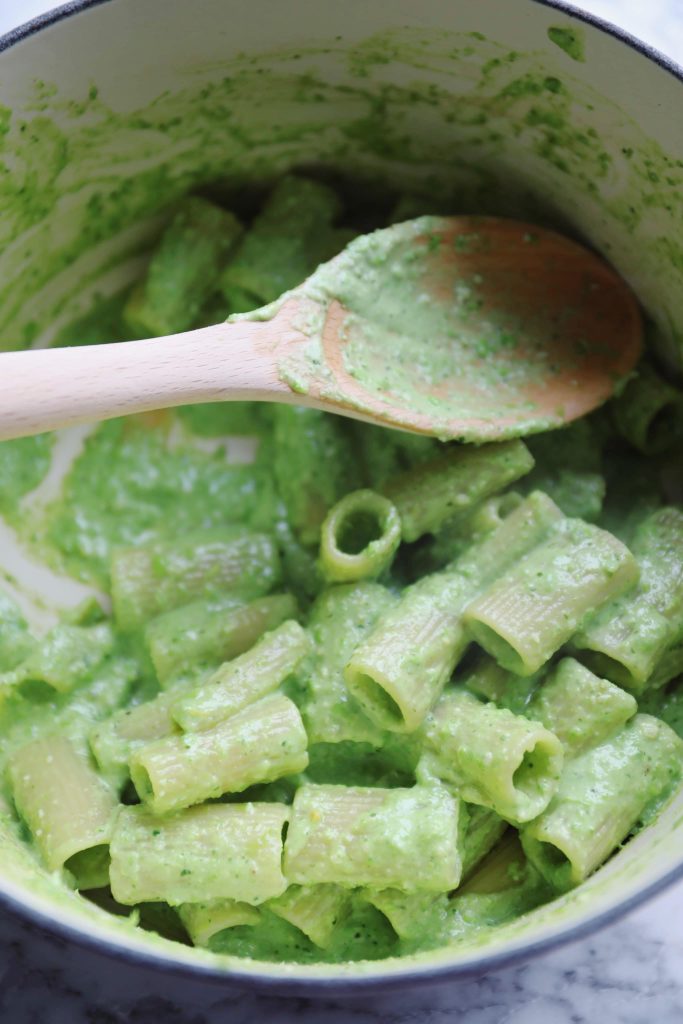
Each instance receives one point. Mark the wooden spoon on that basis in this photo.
(474, 328)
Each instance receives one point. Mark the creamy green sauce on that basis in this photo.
(568, 39)
(132, 481)
(364, 935)
(23, 464)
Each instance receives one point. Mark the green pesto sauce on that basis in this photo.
(131, 481)
(364, 935)
(568, 39)
(23, 464)
(226, 419)
(16, 642)
(100, 325)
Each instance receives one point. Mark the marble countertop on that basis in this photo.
(629, 973)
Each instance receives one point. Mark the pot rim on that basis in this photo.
(303, 984)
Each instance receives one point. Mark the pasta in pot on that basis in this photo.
(367, 695)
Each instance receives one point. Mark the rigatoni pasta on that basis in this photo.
(339, 620)
(538, 604)
(315, 910)
(602, 795)
(67, 656)
(484, 829)
(314, 466)
(204, 921)
(359, 537)
(147, 581)
(410, 913)
(66, 805)
(260, 743)
(352, 836)
(649, 412)
(448, 487)
(580, 708)
(291, 235)
(244, 680)
(114, 741)
(626, 639)
(184, 270)
(491, 682)
(206, 853)
(203, 634)
(491, 757)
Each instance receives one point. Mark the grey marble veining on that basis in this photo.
(629, 973)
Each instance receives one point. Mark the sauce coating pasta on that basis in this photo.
(363, 695)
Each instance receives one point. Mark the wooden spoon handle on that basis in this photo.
(48, 388)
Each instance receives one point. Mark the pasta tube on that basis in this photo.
(212, 852)
(314, 909)
(64, 658)
(146, 581)
(649, 412)
(431, 493)
(484, 829)
(286, 242)
(258, 744)
(489, 681)
(493, 873)
(410, 914)
(352, 836)
(602, 796)
(359, 538)
(314, 466)
(114, 740)
(242, 681)
(66, 805)
(668, 667)
(203, 921)
(184, 269)
(339, 620)
(627, 638)
(579, 707)
(491, 757)
(536, 606)
(206, 633)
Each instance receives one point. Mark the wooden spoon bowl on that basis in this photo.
(472, 328)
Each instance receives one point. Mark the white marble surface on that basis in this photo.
(629, 973)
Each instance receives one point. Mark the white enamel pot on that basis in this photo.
(113, 108)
